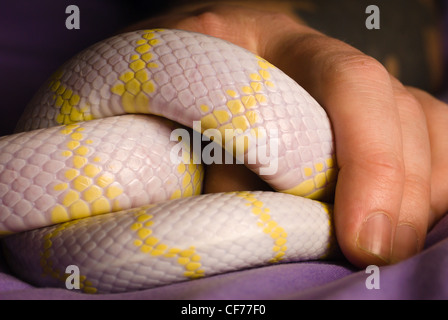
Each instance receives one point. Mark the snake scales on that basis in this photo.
(90, 180)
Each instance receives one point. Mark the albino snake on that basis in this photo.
(100, 181)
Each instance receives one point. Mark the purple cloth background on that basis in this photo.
(34, 41)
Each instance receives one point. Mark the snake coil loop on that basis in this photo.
(90, 181)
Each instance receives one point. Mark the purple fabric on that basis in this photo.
(422, 277)
(34, 41)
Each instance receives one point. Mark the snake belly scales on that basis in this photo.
(89, 181)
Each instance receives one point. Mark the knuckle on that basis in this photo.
(209, 20)
(358, 67)
(205, 21)
(360, 62)
(222, 21)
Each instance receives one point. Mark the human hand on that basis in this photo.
(390, 140)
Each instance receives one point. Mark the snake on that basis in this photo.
(105, 173)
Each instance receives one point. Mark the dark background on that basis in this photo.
(34, 40)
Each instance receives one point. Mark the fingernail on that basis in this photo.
(375, 236)
(406, 243)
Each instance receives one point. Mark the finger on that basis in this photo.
(356, 92)
(413, 219)
(361, 106)
(436, 113)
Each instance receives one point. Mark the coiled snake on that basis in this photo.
(98, 180)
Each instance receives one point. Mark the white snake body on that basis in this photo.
(92, 184)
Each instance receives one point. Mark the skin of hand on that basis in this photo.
(391, 140)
